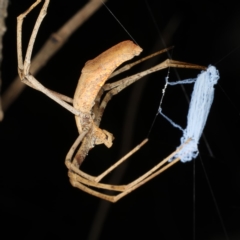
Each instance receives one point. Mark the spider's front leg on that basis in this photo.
(116, 87)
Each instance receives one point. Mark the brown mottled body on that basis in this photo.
(97, 71)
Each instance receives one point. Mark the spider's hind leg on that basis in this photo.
(24, 64)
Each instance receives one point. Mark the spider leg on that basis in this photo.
(124, 158)
(152, 173)
(69, 157)
(88, 139)
(62, 96)
(121, 70)
(24, 65)
(73, 162)
(130, 65)
(80, 182)
(19, 33)
(74, 178)
(116, 87)
(95, 193)
(75, 174)
(165, 64)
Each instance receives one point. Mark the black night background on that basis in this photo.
(197, 200)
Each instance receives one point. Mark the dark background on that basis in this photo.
(36, 198)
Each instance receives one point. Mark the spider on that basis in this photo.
(88, 108)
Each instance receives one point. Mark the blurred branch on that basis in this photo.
(3, 15)
(51, 46)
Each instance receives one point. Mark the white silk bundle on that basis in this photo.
(200, 104)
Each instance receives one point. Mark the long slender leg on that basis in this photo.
(80, 176)
(59, 95)
(79, 182)
(52, 95)
(165, 64)
(23, 67)
(69, 157)
(143, 181)
(76, 175)
(121, 70)
(124, 158)
(74, 178)
(62, 96)
(93, 192)
(19, 33)
(118, 86)
(72, 165)
(130, 65)
(148, 173)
